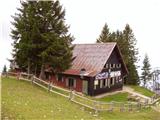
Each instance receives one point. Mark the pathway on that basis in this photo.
(129, 90)
(109, 93)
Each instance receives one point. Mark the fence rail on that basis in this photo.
(107, 106)
(79, 99)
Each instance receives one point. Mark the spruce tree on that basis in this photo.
(41, 36)
(127, 44)
(146, 73)
(131, 55)
(105, 35)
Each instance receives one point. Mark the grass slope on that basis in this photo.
(142, 90)
(21, 100)
(119, 97)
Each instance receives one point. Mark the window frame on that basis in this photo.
(74, 82)
(61, 78)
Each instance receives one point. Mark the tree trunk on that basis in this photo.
(35, 70)
(29, 67)
(42, 75)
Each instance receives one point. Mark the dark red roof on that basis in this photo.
(91, 57)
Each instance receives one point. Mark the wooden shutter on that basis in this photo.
(74, 84)
(113, 81)
(67, 81)
(62, 79)
(109, 82)
(101, 83)
(106, 83)
(56, 77)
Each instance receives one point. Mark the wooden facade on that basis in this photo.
(98, 72)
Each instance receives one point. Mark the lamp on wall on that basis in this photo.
(82, 72)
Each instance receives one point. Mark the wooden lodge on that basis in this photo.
(96, 69)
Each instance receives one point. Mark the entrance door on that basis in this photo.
(85, 86)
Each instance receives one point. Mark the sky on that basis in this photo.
(86, 19)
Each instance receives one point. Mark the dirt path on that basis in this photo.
(131, 91)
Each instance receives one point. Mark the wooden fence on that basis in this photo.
(79, 99)
(107, 106)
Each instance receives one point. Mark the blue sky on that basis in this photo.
(87, 17)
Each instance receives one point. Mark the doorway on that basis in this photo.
(71, 82)
(85, 86)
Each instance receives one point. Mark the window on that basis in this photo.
(60, 78)
(112, 81)
(71, 82)
(104, 82)
(106, 66)
(109, 82)
(112, 65)
(47, 76)
(119, 65)
(101, 83)
(95, 84)
(117, 78)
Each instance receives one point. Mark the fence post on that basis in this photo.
(146, 103)
(6, 75)
(27, 76)
(32, 80)
(95, 103)
(122, 108)
(129, 107)
(18, 74)
(139, 106)
(111, 107)
(71, 95)
(49, 86)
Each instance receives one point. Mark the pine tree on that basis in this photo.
(41, 36)
(23, 52)
(146, 74)
(127, 44)
(130, 55)
(105, 35)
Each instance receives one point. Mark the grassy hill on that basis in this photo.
(22, 100)
(118, 97)
(142, 90)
